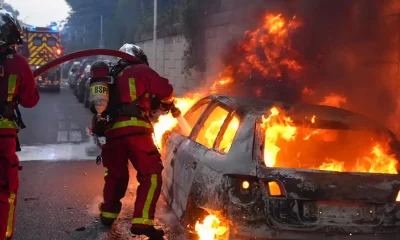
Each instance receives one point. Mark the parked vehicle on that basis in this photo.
(81, 84)
(81, 71)
(72, 74)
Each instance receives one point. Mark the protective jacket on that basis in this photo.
(136, 83)
(17, 86)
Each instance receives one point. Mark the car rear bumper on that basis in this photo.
(266, 233)
(55, 87)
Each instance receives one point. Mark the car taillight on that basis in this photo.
(398, 197)
(274, 188)
(245, 184)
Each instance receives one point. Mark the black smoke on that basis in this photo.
(346, 46)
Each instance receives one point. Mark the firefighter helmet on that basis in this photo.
(10, 30)
(135, 51)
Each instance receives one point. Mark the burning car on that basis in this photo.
(273, 170)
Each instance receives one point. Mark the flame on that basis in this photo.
(267, 50)
(210, 229)
(332, 165)
(272, 38)
(276, 126)
(333, 100)
(280, 131)
(167, 122)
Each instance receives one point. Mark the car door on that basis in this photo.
(174, 158)
(192, 149)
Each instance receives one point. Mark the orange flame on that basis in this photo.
(265, 49)
(210, 229)
(167, 122)
(275, 126)
(280, 131)
(334, 100)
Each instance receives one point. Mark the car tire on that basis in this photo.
(86, 100)
(192, 214)
(81, 98)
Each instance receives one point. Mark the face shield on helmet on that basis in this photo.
(135, 51)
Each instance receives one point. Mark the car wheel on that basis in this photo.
(81, 97)
(190, 217)
(86, 103)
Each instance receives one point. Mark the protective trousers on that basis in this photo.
(145, 158)
(9, 165)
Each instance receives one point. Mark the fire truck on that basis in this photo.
(41, 45)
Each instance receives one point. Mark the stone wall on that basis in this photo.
(170, 52)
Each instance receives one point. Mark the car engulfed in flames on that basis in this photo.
(271, 170)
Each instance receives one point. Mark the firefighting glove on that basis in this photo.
(175, 111)
(165, 106)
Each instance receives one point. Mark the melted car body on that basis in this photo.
(220, 168)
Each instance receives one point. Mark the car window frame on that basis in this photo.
(195, 106)
(203, 118)
(222, 131)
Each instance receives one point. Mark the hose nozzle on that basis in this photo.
(175, 111)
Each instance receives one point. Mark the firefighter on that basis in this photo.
(130, 137)
(17, 86)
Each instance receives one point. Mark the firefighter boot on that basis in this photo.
(150, 232)
(106, 221)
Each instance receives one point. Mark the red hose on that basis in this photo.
(81, 54)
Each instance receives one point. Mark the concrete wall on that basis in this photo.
(170, 52)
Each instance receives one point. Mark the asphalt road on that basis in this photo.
(61, 186)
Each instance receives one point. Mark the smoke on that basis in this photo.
(345, 47)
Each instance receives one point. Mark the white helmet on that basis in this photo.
(135, 51)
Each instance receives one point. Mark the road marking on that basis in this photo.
(75, 136)
(51, 152)
(73, 126)
(62, 136)
(62, 125)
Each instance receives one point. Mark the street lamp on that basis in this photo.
(155, 37)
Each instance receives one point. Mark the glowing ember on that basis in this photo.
(333, 100)
(210, 229)
(283, 137)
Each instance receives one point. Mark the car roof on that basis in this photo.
(259, 107)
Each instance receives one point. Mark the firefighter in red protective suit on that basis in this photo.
(17, 86)
(130, 137)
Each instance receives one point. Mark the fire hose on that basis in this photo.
(176, 113)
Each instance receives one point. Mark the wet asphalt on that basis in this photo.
(59, 196)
